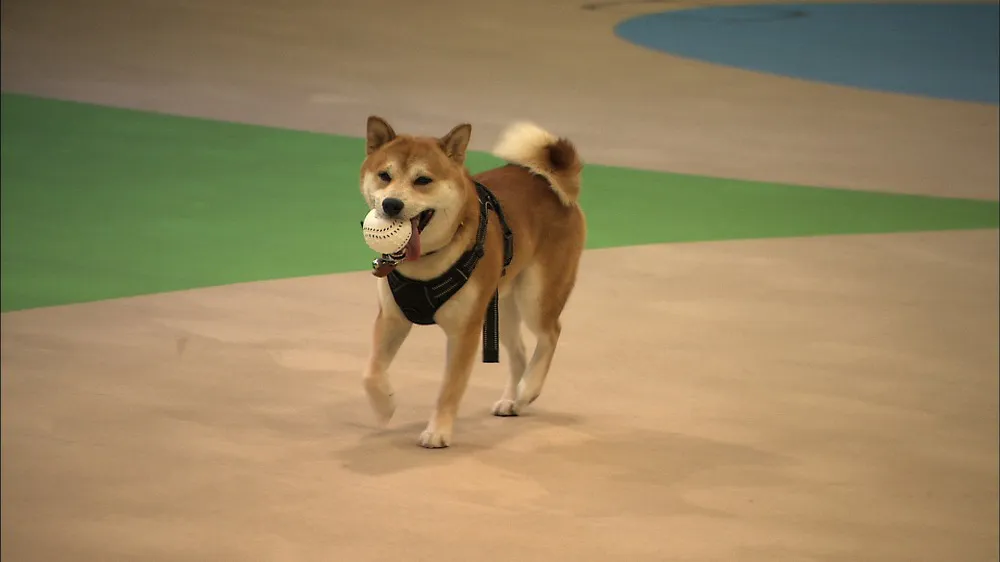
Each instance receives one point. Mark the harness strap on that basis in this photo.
(508, 236)
(491, 324)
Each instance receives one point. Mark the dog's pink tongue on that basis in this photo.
(413, 246)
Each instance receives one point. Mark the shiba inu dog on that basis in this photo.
(507, 240)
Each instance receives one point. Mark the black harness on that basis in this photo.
(420, 300)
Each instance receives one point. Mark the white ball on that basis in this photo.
(385, 235)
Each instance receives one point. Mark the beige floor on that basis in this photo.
(825, 399)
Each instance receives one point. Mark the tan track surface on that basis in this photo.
(824, 399)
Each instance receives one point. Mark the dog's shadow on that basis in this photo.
(395, 448)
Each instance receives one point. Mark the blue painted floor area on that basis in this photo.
(948, 51)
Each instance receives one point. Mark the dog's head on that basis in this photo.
(420, 179)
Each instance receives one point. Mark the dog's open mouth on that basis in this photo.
(419, 223)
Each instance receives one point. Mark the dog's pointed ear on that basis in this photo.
(379, 133)
(456, 142)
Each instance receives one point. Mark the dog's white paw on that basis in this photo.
(505, 408)
(433, 439)
(381, 400)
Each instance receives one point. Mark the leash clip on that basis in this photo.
(391, 260)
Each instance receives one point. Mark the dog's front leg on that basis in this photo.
(389, 334)
(462, 348)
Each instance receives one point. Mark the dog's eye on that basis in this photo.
(422, 180)
(384, 176)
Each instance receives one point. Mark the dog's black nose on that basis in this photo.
(392, 206)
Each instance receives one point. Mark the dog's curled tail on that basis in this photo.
(554, 158)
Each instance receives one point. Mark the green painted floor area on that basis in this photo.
(100, 203)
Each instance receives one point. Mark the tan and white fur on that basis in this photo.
(538, 193)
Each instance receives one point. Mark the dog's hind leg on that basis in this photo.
(541, 360)
(389, 334)
(510, 337)
(541, 304)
